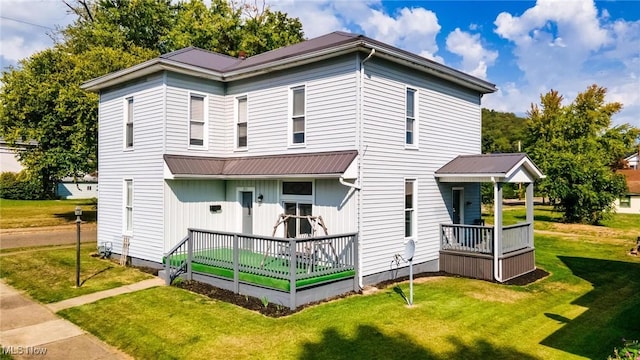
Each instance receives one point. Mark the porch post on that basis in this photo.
(530, 211)
(497, 229)
(189, 255)
(236, 265)
(292, 274)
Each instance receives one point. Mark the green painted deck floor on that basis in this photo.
(250, 259)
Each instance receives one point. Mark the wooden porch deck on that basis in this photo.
(287, 271)
(468, 250)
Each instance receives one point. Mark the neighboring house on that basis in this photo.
(204, 157)
(9, 157)
(85, 187)
(633, 160)
(630, 202)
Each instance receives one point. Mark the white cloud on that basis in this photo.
(27, 27)
(564, 45)
(412, 29)
(475, 58)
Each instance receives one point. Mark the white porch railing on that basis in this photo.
(516, 237)
(479, 239)
(470, 238)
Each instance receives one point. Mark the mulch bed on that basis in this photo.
(276, 310)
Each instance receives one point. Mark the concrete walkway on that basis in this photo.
(29, 330)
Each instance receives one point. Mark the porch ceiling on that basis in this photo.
(513, 168)
(323, 164)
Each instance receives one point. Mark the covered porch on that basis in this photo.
(494, 252)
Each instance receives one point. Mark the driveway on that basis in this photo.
(50, 235)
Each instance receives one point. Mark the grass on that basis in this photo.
(36, 213)
(582, 310)
(48, 274)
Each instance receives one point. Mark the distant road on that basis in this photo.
(50, 235)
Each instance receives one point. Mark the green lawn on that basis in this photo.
(48, 274)
(582, 310)
(35, 213)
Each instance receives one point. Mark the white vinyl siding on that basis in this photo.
(241, 123)
(330, 108)
(145, 165)
(218, 128)
(448, 120)
(298, 115)
(197, 121)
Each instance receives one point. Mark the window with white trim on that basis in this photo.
(197, 124)
(128, 205)
(128, 124)
(298, 115)
(241, 140)
(625, 201)
(411, 124)
(409, 208)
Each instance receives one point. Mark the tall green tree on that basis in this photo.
(501, 131)
(577, 147)
(41, 98)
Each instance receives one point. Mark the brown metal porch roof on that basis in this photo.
(488, 165)
(332, 163)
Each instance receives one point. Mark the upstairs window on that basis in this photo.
(411, 117)
(196, 121)
(128, 124)
(298, 115)
(241, 141)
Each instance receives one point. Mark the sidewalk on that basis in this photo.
(29, 330)
(49, 235)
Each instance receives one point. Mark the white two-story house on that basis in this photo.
(230, 170)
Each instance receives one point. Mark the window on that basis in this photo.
(625, 201)
(88, 187)
(297, 188)
(128, 205)
(298, 115)
(411, 117)
(242, 122)
(409, 208)
(297, 226)
(128, 143)
(196, 121)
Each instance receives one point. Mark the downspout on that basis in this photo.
(497, 229)
(360, 158)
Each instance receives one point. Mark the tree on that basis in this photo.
(501, 131)
(577, 148)
(41, 98)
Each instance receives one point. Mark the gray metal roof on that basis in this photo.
(226, 68)
(324, 163)
(202, 58)
(482, 164)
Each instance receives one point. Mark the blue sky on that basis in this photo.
(525, 47)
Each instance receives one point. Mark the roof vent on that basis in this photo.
(242, 55)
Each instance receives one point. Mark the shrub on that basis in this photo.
(630, 351)
(19, 186)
